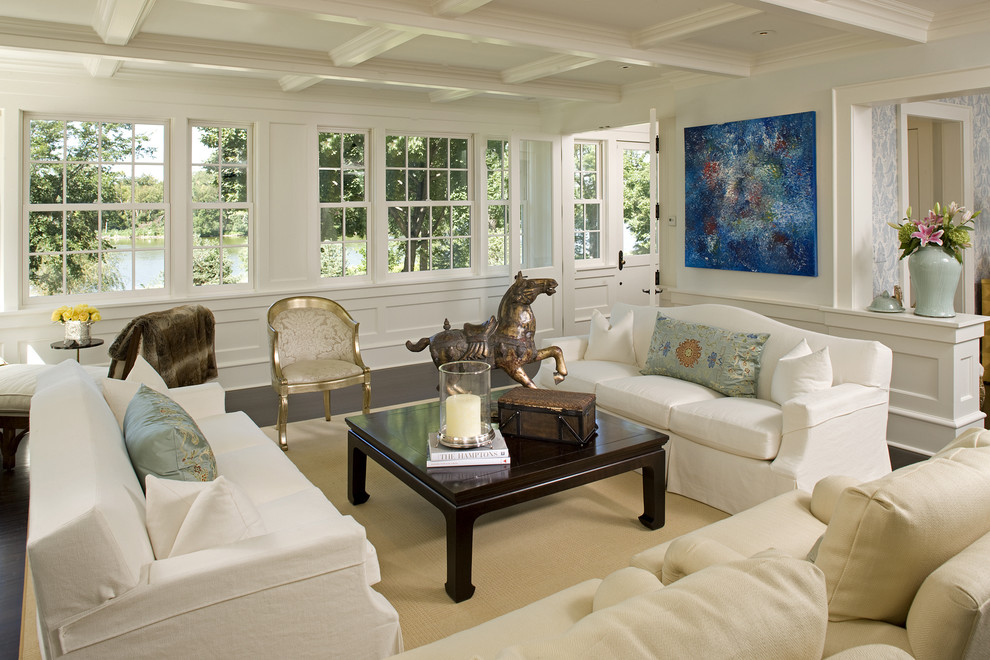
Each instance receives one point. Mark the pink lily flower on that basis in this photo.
(928, 234)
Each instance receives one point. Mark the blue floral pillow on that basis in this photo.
(726, 361)
(163, 440)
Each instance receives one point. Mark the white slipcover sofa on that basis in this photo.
(733, 452)
(299, 586)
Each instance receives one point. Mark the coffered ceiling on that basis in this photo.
(540, 50)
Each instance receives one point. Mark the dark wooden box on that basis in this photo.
(567, 417)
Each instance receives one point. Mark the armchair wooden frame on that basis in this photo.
(279, 382)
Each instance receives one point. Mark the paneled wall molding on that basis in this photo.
(934, 392)
(389, 315)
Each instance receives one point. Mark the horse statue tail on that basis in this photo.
(418, 346)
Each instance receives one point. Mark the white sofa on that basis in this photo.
(733, 452)
(298, 587)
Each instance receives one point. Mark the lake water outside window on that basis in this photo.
(221, 204)
(96, 214)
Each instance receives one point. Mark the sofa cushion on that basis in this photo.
(611, 343)
(726, 361)
(585, 375)
(703, 615)
(186, 516)
(948, 617)
(801, 371)
(623, 584)
(162, 439)
(649, 399)
(886, 536)
(258, 466)
(745, 427)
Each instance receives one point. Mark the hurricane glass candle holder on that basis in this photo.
(465, 400)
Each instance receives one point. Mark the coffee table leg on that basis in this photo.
(357, 470)
(460, 539)
(654, 489)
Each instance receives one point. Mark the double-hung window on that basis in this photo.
(221, 204)
(428, 198)
(497, 164)
(343, 203)
(587, 200)
(96, 206)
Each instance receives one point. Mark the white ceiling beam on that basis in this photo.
(685, 26)
(454, 8)
(370, 44)
(549, 66)
(292, 83)
(888, 18)
(102, 67)
(500, 27)
(117, 21)
(448, 95)
(278, 62)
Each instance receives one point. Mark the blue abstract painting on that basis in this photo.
(750, 195)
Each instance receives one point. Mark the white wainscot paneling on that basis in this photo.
(935, 380)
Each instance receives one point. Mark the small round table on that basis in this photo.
(69, 344)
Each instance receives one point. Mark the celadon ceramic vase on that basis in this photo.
(934, 278)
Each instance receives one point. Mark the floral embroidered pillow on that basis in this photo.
(726, 361)
(162, 439)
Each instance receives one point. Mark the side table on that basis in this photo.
(69, 344)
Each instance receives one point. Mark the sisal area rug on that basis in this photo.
(521, 554)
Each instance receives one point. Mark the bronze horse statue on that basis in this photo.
(505, 340)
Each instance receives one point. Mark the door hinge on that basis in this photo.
(656, 211)
(657, 147)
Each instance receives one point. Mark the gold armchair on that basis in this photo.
(314, 348)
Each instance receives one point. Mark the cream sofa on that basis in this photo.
(630, 615)
(905, 556)
(902, 561)
(733, 452)
(297, 586)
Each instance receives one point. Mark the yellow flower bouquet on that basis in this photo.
(82, 312)
(76, 321)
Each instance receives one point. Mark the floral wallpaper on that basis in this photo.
(885, 208)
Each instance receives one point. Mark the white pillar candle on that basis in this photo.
(463, 413)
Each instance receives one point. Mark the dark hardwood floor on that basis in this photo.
(389, 387)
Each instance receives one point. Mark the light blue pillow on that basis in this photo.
(726, 361)
(163, 440)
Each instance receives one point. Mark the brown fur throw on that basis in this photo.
(177, 342)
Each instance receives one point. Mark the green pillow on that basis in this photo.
(726, 361)
(163, 440)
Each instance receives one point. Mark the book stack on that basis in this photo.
(441, 456)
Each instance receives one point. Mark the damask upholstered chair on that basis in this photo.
(314, 348)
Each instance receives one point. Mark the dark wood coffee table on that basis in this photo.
(397, 440)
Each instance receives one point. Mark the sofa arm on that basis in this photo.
(572, 346)
(841, 430)
(218, 576)
(203, 400)
(690, 554)
(826, 494)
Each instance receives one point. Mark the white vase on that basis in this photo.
(77, 331)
